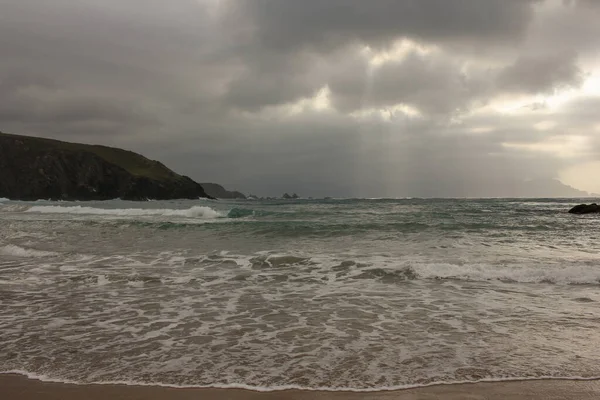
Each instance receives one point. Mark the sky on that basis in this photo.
(382, 98)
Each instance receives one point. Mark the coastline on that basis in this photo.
(20, 387)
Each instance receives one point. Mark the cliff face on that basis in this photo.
(219, 192)
(35, 168)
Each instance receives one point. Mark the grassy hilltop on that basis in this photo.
(33, 168)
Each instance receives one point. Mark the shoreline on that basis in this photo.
(261, 389)
(16, 386)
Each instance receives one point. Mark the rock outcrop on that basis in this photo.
(219, 192)
(35, 168)
(585, 209)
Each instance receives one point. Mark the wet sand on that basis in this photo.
(18, 387)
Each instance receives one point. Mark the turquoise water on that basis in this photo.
(354, 294)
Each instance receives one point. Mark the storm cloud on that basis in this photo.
(323, 98)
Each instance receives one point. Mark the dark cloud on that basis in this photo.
(541, 74)
(280, 37)
(208, 87)
(431, 83)
(568, 28)
(323, 25)
(272, 81)
(36, 102)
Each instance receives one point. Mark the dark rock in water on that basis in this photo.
(585, 209)
(35, 168)
(219, 192)
(288, 197)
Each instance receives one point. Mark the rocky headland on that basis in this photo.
(219, 192)
(34, 168)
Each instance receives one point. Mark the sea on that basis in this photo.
(335, 294)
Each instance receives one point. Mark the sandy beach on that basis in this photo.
(22, 388)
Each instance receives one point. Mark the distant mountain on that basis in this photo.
(219, 192)
(532, 188)
(36, 168)
(547, 188)
(491, 188)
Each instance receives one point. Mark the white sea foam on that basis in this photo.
(13, 207)
(17, 251)
(277, 388)
(3, 199)
(574, 274)
(192, 212)
(390, 269)
(264, 306)
(298, 310)
(102, 280)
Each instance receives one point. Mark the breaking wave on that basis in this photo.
(17, 251)
(192, 212)
(565, 275)
(326, 270)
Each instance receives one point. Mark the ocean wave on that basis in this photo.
(192, 212)
(386, 270)
(17, 251)
(16, 208)
(240, 213)
(440, 272)
(566, 275)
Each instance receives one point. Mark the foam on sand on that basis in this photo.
(464, 387)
